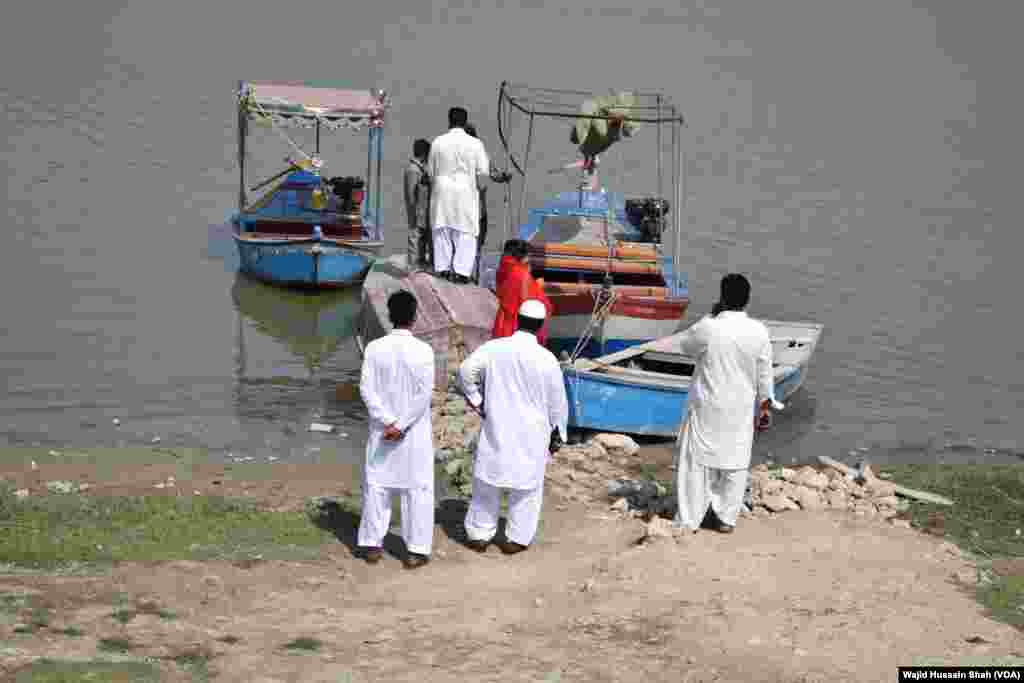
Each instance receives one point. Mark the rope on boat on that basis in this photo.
(602, 308)
(280, 132)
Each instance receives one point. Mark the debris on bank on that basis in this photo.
(600, 468)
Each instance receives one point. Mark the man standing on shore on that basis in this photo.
(457, 164)
(397, 383)
(417, 207)
(734, 370)
(523, 403)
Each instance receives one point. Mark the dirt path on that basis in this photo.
(800, 597)
(804, 597)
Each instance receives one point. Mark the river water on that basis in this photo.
(856, 160)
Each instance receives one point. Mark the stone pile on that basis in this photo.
(599, 469)
(806, 488)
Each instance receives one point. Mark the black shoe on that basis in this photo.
(371, 555)
(415, 561)
(511, 548)
(477, 546)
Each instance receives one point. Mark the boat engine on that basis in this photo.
(648, 214)
(349, 191)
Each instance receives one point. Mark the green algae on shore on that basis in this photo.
(987, 522)
(48, 531)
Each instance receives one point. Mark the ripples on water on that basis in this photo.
(868, 186)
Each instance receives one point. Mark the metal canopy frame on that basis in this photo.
(553, 103)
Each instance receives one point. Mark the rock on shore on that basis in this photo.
(599, 470)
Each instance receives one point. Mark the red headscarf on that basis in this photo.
(514, 285)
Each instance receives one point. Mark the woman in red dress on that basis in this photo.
(514, 285)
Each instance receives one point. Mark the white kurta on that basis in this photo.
(455, 162)
(733, 374)
(523, 400)
(396, 384)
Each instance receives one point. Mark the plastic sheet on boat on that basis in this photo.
(447, 314)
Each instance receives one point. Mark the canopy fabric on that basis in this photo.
(298, 105)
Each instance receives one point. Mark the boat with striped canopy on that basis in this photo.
(306, 229)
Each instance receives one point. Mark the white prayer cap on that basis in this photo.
(531, 308)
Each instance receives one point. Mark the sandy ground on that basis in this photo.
(799, 597)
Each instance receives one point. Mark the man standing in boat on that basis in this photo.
(457, 165)
(397, 383)
(733, 372)
(417, 207)
(523, 403)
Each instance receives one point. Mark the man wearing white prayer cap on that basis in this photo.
(523, 402)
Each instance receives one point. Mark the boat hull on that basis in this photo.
(619, 331)
(612, 404)
(306, 262)
(613, 394)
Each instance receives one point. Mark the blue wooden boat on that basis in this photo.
(608, 267)
(309, 230)
(644, 389)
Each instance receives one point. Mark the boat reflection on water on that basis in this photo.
(314, 330)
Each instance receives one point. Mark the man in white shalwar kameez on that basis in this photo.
(523, 401)
(733, 371)
(457, 165)
(396, 384)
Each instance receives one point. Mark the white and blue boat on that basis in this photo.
(608, 266)
(644, 389)
(308, 230)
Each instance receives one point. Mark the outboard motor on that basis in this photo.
(648, 214)
(349, 191)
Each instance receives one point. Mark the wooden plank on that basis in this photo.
(625, 252)
(595, 265)
(923, 496)
(586, 288)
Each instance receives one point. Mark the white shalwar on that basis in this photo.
(523, 399)
(396, 384)
(733, 374)
(454, 250)
(456, 162)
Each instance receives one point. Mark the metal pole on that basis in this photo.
(660, 189)
(242, 122)
(317, 136)
(675, 195)
(376, 203)
(680, 202)
(526, 169)
(508, 185)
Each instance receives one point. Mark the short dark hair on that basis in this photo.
(420, 148)
(402, 308)
(457, 117)
(470, 130)
(735, 292)
(516, 249)
(528, 324)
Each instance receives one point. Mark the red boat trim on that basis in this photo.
(643, 308)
